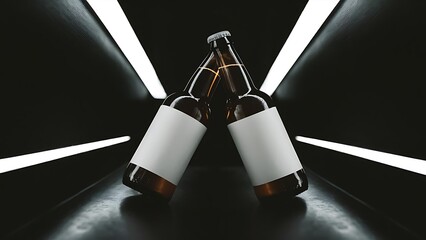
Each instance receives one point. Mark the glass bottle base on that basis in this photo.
(283, 188)
(148, 183)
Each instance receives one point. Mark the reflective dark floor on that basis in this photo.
(211, 203)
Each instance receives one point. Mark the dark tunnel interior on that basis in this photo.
(360, 82)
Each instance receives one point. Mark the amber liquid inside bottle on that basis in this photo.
(149, 183)
(245, 100)
(193, 101)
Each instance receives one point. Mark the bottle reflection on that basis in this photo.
(279, 220)
(146, 218)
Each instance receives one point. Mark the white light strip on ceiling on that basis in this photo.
(115, 21)
(17, 162)
(312, 17)
(406, 163)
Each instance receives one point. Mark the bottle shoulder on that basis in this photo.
(239, 107)
(195, 107)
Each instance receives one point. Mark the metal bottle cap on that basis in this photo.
(218, 35)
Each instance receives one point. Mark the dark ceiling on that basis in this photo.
(174, 33)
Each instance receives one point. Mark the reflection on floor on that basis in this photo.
(211, 203)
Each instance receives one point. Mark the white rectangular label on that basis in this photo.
(169, 143)
(264, 146)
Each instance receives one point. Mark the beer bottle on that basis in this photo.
(173, 136)
(256, 128)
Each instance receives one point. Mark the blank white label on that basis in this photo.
(169, 143)
(264, 146)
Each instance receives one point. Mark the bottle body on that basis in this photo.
(257, 129)
(267, 153)
(173, 136)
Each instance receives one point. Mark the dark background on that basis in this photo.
(64, 81)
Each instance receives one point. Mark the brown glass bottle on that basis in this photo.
(174, 134)
(256, 128)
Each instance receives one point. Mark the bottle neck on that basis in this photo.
(204, 80)
(234, 74)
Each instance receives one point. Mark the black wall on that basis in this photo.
(63, 81)
(361, 82)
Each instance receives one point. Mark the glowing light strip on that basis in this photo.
(406, 163)
(312, 17)
(115, 21)
(17, 162)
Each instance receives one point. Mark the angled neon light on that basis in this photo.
(115, 21)
(17, 162)
(312, 17)
(406, 163)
